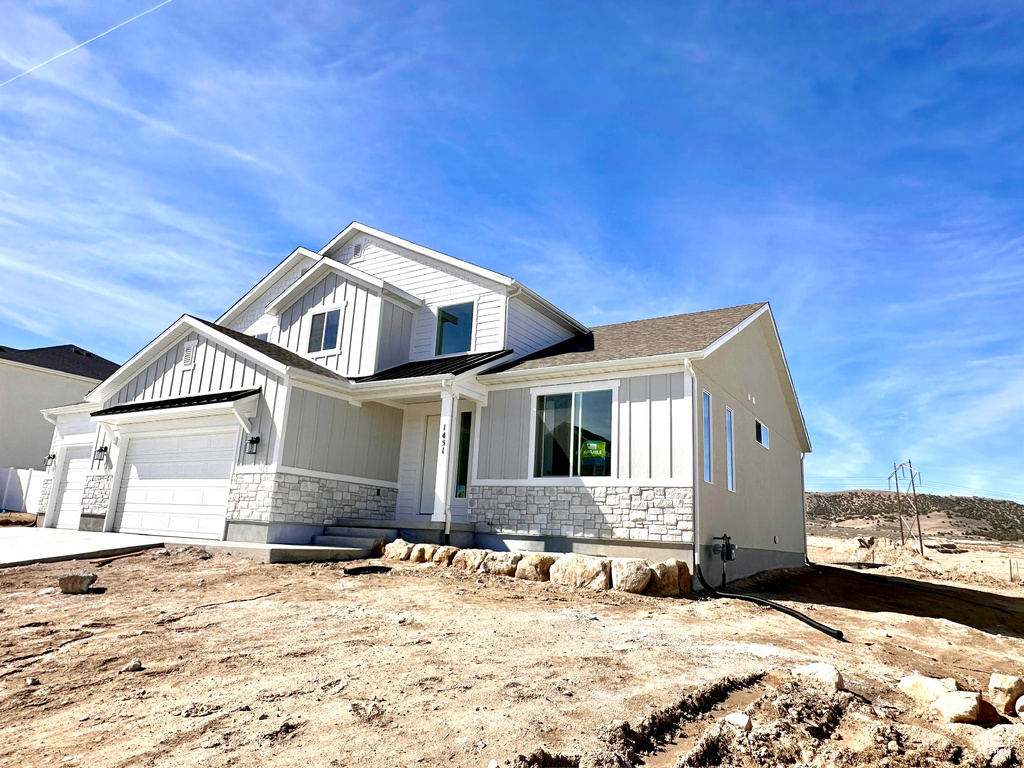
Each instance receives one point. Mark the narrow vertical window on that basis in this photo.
(730, 458)
(554, 428)
(462, 468)
(706, 403)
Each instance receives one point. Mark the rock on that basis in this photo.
(492, 764)
(1004, 690)
(664, 579)
(46, 591)
(422, 553)
(76, 583)
(1003, 757)
(823, 675)
(535, 567)
(163, 551)
(501, 563)
(1019, 706)
(135, 665)
(399, 549)
(582, 571)
(30, 681)
(988, 714)
(403, 618)
(443, 555)
(469, 559)
(630, 574)
(739, 721)
(685, 585)
(926, 689)
(958, 706)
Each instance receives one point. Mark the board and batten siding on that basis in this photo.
(437, 285)
(395, 335)
(360, 322)
(530, 330)
(216, 369)
(654, 442)
(326, 434)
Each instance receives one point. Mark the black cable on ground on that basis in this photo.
(834, 633)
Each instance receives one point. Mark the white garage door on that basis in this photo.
(68, 506)
(176, 485)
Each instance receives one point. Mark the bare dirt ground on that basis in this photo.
(248, 664)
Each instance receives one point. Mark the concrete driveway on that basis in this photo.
(25, 545)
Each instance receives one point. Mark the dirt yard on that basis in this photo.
(288, 665)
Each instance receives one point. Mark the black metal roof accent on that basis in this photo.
(436, 366)
(179, 402)
(66, 358)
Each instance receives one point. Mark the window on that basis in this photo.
(323, 332)
(462, 468)
(706, 404)
(761, 433)
(574, 434)
(730, 457)
(263, 336)
(454, 329)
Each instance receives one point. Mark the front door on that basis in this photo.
(428, 475)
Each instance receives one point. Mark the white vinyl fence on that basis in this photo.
(20, 488)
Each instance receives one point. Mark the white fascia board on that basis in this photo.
(356, 228)
(417, 385)
(735, 331)
(613, 367)
(182, 324)
(295, 257)
(51, 414)
(547, 308)
(242, 410)
(325, 267)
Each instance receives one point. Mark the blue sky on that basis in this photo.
(860, 165)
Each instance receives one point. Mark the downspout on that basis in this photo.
(446, 385)
(696, 482)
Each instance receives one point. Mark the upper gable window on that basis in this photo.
(323, 331)
(761, 433)
(454, 329)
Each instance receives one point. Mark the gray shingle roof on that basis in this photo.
(638, 338)
(66, 358)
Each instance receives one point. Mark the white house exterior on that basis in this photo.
(380, 385)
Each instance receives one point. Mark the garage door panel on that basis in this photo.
(68, 506)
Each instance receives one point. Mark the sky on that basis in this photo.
(858, 165)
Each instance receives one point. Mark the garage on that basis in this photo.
(176, 485)
(68, 506)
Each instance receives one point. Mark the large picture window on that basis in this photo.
(454, 329)
(323, 331)
(574, 434)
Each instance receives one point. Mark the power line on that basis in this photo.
(91, 39)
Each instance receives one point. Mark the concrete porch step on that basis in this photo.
(372, 546)
(388, 534)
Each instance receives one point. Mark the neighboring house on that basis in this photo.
(379, 385)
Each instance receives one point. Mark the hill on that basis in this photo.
(954, 516)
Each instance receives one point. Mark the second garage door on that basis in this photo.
(72, 485)
(176, 485)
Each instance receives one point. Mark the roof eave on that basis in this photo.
(551, 308)
(596, 367)
(273, 276)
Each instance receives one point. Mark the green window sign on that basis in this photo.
(594, 449)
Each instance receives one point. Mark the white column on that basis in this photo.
(445, 449)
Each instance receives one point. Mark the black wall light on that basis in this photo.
(251, 445)
(101, 453)
(49, 461)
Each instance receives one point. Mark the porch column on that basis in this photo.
(445, 449)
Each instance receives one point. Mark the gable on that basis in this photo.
(252, 307)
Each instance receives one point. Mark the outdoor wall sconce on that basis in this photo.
(101, 454)
(49, 461)
(251, 445)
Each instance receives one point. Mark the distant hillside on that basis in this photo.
(941, 515)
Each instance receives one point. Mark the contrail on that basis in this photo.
(69, 50)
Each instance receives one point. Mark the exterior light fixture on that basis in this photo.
(49, 461)
(101, 453)
(251, 445)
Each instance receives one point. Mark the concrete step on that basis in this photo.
(388, 534)
(373, 546)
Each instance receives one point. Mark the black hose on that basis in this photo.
(834, 633)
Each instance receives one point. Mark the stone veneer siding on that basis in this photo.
(44, 495)
(634, 513)
(271, 497)
(96, 494)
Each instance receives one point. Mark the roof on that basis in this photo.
(179, 402)
(66, 358)
(273, 351)
(439, 366)
(675, 334)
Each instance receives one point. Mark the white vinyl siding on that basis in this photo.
(395, 335)
(530, 330)
(256, 311)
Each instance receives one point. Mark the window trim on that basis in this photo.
(335, 350)
(730, 450)
(572, 389)
(708, 438)
(764, 431)
(475, 301)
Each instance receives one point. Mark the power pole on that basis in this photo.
(911, 479)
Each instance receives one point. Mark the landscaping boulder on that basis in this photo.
(664, 579)
(739, 721)
(399, 549)
(685, 585)
(630, 574)
(582, 571)
(535, 567)
(958, 706)
(469, 559)
(822, 675)
(422, 553)
(501, 563)
(988, 715)
(1019, 706)
(1004, 690)
(926, 689)
(76, 583)
(443, 555)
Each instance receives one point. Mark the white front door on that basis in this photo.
(68, 506)
(177, 485)
(428, 475)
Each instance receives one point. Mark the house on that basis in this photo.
(379, 386)
(32, 379)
